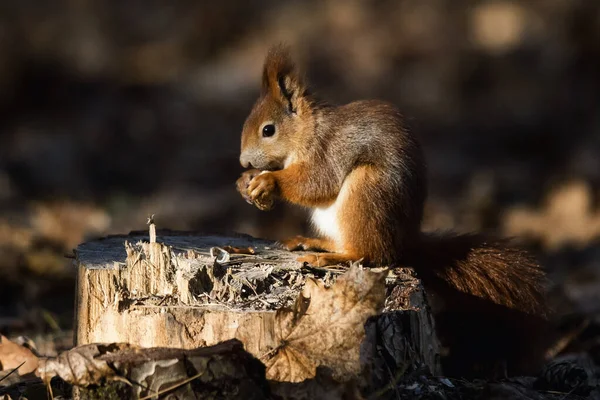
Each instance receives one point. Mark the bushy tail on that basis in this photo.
(487, 268)
(488, 302)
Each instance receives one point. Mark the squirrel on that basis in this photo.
(363, 175)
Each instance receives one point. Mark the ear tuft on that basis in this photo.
(281, 78)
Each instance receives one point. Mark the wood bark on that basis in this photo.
(188, 291)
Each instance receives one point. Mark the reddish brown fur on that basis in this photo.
(483, 267)
(363, 174)
(488, 301)
(309, 244)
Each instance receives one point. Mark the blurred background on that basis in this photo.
(111, 111)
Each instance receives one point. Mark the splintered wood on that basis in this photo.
(185, 291)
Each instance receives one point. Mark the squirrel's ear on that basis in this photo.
(281, 78)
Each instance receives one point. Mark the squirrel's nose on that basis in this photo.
(244, 161)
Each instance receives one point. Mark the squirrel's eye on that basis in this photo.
(268, 130)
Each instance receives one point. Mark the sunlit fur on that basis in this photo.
(363, 175)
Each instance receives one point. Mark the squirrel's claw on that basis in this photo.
(257, 188)
(243, 183)
(262, 190)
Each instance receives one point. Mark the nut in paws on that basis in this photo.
(243, 183)
(262, 190)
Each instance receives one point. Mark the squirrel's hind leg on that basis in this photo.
(325, 259)
(298, 243)
(315, 244)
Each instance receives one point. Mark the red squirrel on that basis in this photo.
(363, 175)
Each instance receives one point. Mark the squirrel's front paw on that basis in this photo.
(243, 183)
(262, 190)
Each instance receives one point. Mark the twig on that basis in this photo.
(51, 321)
(152, 229)
(12, 372)
(49, 390)
(564, 341)
(168, 389)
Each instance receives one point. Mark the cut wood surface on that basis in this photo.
(187, 290)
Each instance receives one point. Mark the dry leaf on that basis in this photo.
(326, 326)
(239, 250)
(12, 355)
(81, 365)
(225, 368)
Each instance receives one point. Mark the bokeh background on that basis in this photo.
(111, 111)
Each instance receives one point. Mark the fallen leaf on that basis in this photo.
(239, 250)
(326, 326)
(13, 355)
(81, 365)
(149, 373)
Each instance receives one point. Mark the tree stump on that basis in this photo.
(183, 290)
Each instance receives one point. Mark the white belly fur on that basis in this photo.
(326, 223)
(325, 220)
